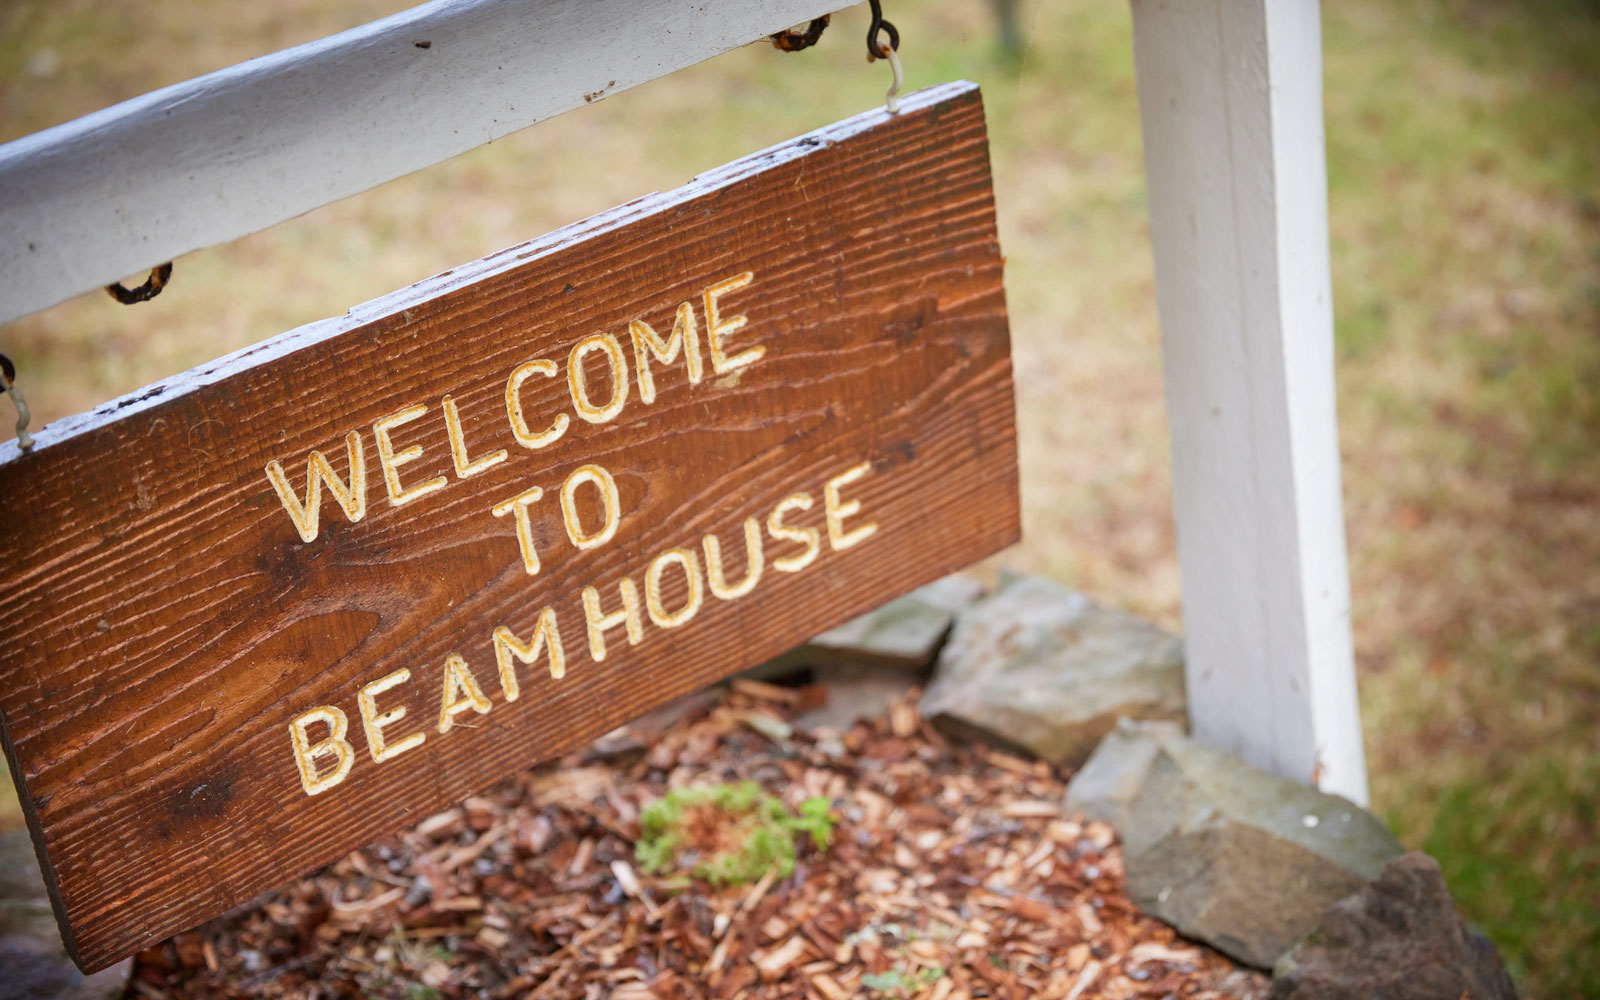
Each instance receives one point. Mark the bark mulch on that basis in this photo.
(952, 874)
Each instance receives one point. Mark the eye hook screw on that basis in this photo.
(878, 49)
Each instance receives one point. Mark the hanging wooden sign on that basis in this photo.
(278, 607)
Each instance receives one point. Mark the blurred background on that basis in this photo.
(1464, 171)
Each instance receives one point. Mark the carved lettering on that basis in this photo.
(610, 504)
(306, 752)
(599, 622)
(391, 460)
(578, 379)
(461, 692)
(837, 510)
(518, 506)
(352, 498)
(689, 563)
(458, 446)
(519, 423)
(546, 637)
(646, 343)
(373, 721)
(717, 327)
(811, 538)
(753, 558)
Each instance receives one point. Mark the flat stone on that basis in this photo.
(34, 964)
(904, 634)
(1105, 787)
(908, 631)
(854, 692)
(1225, 852)
(1400, 938)
(1042, 668)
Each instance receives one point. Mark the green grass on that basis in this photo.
(1498, 777)
(1464, 173)
(1464, 169)
(1521, 875)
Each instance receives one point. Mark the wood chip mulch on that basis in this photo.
(953, 874)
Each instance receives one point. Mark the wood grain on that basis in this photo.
(162, 622)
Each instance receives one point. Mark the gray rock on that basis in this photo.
(1399, 938)
(1106, 786)
(855, 691)
(1044, 669)
(35, 965)
(904, 634)
(1225, 852)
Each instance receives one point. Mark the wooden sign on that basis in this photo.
(278, 607)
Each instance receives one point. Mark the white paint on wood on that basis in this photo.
(1230, 96)
(113, 193)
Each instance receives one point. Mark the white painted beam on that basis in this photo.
(93, 200)
(1230, 97)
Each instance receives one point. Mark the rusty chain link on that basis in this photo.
(794, 41)
(144, 293)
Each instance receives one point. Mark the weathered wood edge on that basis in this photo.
(244, 148)
(284, 344)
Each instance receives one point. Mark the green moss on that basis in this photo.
(897, 984)
(727, 834)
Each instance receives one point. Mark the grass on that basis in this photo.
(1467, 276)
(1464, 172)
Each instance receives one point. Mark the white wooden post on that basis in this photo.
(1230, 97)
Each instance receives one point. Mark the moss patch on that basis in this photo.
(727, 834)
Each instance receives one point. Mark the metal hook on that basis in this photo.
(8, 385)
(144, 293)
